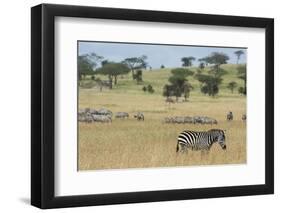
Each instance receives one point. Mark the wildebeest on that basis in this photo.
(122, 115)
(139, 116)
(229, 116)
(244, 117)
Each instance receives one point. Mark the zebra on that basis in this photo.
(103, 111)
(229, 116)
(200, 140)
(101, 118)
(122, 115)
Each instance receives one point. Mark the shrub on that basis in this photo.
(150, 89)
(144, 89)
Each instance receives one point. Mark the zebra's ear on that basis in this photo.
(224, 130)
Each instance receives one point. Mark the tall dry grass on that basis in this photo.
(135, 144)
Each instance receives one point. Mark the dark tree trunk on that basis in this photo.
(110, 81)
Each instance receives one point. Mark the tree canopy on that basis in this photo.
(187, 61)
(136, 63)
(231, 85)
(84, 66)
(210, 82)
(238, 53)
(217, 58)
(112, 70)
(178, 83)
(87, 64)
(242, 74)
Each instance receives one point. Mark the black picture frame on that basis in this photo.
(43, 102)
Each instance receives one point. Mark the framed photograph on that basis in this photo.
(136, 106)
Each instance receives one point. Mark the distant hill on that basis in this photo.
(159, 77)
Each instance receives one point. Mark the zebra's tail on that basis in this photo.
(177, 147)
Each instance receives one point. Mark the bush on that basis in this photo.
(144, 89)
(241, 90)
(150, 89)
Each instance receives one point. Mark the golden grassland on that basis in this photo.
(130, 143)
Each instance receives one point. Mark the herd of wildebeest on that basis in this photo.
(103, 115)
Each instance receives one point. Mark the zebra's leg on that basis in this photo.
(181, 148)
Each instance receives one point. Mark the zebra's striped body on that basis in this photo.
(200, 140)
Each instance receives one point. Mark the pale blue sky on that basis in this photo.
(168, 55)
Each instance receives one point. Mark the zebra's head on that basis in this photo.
(219, 137)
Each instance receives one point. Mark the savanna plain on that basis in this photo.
(129, 143)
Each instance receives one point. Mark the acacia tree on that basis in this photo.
(243, 75)
(178, 84)
(112, 70)
(238, 53)
(201, 65)
(138, 76)
(187, 61)
(204, 61)
(87, 64)
(167, 91)
(186, 90)
(232, 85)
(136, 63)
(210, 82)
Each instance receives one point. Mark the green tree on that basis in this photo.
(242, 74)
(204, 60)
(209, 83)
(87, 64)
(178, 83)
(84, 67)
(104, 62)
(232, 85)
(202, 65)
(238, 53)
(217, 59)
(112, 70)
(138, 76)
(167, 91)
(162, 66)
(187, 61)
(187, 87)
(136, 63)
(241, 90)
